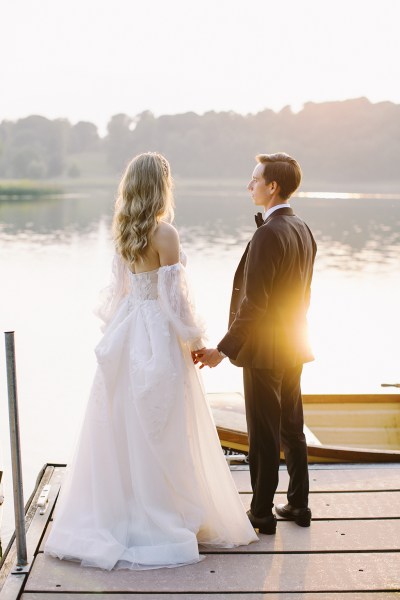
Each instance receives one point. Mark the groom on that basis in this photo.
(267, 336)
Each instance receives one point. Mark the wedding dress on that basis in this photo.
(149, 481)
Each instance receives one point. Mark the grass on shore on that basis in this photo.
(18, 189)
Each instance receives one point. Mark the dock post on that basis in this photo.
(19, 511)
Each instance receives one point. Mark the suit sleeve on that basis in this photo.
(263, 260)
(314, 252)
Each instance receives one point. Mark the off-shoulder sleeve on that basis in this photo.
(175, 298)
(111, 296)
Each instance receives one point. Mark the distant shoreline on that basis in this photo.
(23, 189)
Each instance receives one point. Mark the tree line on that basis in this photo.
(349, 141)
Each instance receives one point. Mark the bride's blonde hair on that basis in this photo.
(144, 198)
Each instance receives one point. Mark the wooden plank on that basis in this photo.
(229, 573)
(234, 398)
(245, 596)
(338, 415)
(331, 505)
(350, 398)
(12, 587)
(345, 505)
(348, 505)
(330, 479)
(39, 522)
(11, 556)
(322, 536)
(338, 454)
(357, 479)
(317, 452)
(326, 536)
(230, 419)
(35, 523)
(375, 438)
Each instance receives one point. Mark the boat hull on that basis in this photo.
(352, 428)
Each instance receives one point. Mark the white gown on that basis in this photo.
(149, 481)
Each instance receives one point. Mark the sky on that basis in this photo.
(91, 59)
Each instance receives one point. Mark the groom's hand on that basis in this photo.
(209, 358)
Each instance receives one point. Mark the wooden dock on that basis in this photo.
(351, 550)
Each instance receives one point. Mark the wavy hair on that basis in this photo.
(144, 198)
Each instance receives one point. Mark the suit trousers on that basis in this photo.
(274, 413)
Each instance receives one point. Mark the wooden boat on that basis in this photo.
(339, 427)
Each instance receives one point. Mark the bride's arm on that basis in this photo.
(112, 295)
(173, 289)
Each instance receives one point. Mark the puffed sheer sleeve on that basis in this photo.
(111, 296)
(175, 298)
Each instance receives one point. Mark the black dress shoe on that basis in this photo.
(301, 516)
(263, 524)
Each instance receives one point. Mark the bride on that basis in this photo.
(149, 481)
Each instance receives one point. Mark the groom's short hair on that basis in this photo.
(283, 169)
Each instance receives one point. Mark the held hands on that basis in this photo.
(208, 357)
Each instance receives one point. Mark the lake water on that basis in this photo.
(55, 255)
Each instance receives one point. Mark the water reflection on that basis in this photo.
(57, 218)
(353, 231)
(358, 259)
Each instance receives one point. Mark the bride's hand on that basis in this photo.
(196, 355)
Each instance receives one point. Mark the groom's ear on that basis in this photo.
(274, 186)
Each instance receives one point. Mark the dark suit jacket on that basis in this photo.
(271, 295)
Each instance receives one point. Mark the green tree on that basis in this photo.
(119, 140)
(83, 137)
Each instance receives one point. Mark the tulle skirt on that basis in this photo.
(149, 481)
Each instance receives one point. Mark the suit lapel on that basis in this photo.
(240, 267)
(237, 281)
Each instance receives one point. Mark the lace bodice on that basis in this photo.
(143, 286)
(168, 285)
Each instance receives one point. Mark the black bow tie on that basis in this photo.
(259, 219)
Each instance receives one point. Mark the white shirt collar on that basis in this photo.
(269, 212)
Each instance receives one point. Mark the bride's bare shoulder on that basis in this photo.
(165, 233)
(166, 243)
